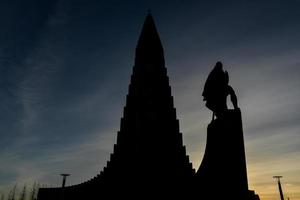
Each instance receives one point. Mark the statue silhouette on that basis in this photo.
(216, 90)
(225, 150)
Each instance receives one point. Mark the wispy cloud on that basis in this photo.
(68, 84)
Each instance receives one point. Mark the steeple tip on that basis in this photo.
(149, 49)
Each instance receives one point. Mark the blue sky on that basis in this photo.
(65, 68)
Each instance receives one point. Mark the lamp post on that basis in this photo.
(64, 179)
(279, 186)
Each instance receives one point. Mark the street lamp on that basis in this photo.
(279, 186)
(64, 179)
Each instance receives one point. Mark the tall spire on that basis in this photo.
(149, 157)
(149, 49)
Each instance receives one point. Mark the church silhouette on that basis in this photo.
(149, 159)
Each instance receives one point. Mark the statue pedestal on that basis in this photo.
(223, 171)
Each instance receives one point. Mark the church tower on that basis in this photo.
(149, 148)
(149, 158)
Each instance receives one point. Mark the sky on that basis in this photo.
(65, 66)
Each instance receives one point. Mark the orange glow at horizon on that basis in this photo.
(260, 178)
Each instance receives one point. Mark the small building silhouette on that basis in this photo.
(149, 159)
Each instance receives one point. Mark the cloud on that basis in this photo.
(67, 87)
